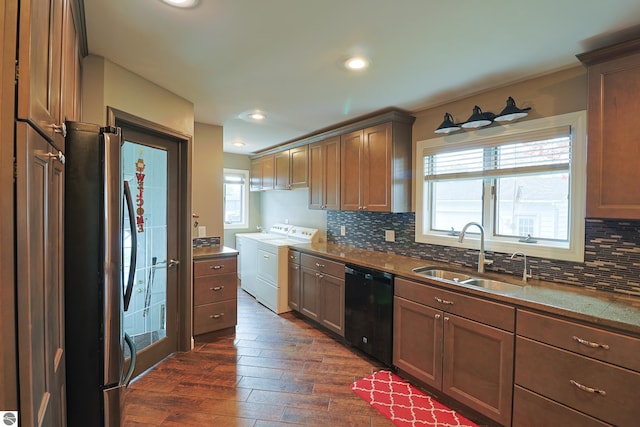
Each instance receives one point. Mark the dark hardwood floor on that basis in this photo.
(274, 371)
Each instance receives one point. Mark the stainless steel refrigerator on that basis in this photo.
(98, 210)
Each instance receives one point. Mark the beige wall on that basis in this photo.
(105, 84)
(207, 179)
(549, 95)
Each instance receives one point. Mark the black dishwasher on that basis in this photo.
(368, 311)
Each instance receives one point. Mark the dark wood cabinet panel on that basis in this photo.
(421, 356)
(299, 166)
(613, 146)
(351, 169)
(40, 193)
(322, 292)
(215, 293)
(332, 302)
(282, 171)
(309, 294)
(294, 280)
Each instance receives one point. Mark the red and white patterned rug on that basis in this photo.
(404, 404)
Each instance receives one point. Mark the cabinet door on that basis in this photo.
(309, 293)
(417, 341)
(268, 172)
(351, 170)
(375, 180)
(612, 166)
(39, 56)
(40, 258)
(298, 169)
(282, 171)
(294, 286)
(255, 180)
(70, 77)
(331, 170)
(478, 367)
(316, 196)
(332, 303)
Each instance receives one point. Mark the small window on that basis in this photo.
(236, 198)
(525, 183)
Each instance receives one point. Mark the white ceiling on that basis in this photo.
(284, 57)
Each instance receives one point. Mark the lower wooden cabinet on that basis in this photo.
(215, 287)
(470, 361)
(294, 280)
(567, 364)
(322, 292)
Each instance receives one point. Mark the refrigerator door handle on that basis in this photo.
(132, 363)
(128, 291)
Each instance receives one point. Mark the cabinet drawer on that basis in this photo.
(549, 371)
(602, 345)
(215, 316)
(217, 288)
(488, 312)
(214, 266)
(532, 410)
(294, 256)
(323, 265)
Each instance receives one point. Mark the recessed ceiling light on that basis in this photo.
(356, 63)
(239, 144)
(257, 115)
(181, 3)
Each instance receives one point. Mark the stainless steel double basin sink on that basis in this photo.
(452, 276)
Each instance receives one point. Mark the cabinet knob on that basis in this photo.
(437, 316)
(216, 267)
(319, 265)
(446, 319)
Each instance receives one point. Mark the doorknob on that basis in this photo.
(173, 263)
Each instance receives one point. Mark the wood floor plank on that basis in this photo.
(274, 371)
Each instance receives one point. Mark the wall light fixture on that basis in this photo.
(480, 119)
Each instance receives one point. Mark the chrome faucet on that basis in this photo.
(525, 276)
(481, 260)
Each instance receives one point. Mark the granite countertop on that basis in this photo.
(604, 308)
(214, 251)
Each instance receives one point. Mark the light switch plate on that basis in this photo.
(389, 235)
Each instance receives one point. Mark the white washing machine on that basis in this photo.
(264, 264)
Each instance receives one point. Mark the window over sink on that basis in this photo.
(524, 182)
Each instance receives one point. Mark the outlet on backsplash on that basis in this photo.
(343, 230)
(389, 236)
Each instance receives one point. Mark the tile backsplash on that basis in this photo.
(611, 259)
(200, 242)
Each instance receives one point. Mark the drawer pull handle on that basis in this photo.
(319, 265)
(216, 316)
(591, 344)
(217, 288)
(588, 389)
(319, 275)
(265, 256)
(443, 301)
(216, 267)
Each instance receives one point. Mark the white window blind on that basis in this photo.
(546, 150)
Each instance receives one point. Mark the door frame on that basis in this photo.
(185, 274)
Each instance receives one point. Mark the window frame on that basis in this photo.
(245, 199)
(573, 250)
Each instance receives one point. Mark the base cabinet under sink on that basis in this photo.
(470, 361)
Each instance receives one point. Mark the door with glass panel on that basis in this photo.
(150, 164)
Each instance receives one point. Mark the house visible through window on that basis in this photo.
(236, 198)
(525, 184)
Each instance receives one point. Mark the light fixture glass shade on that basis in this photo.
(511, 112)
(478, 119)
(447, 126)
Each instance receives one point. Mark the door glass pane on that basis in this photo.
(145, 168)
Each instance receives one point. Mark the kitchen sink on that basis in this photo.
(441, 274)
(452, 276)
(494, 285)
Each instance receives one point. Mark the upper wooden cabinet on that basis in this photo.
(39, 65)
(614, 140)
(376, 168)
(291, 168)
(324, 174)
(262, 173)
